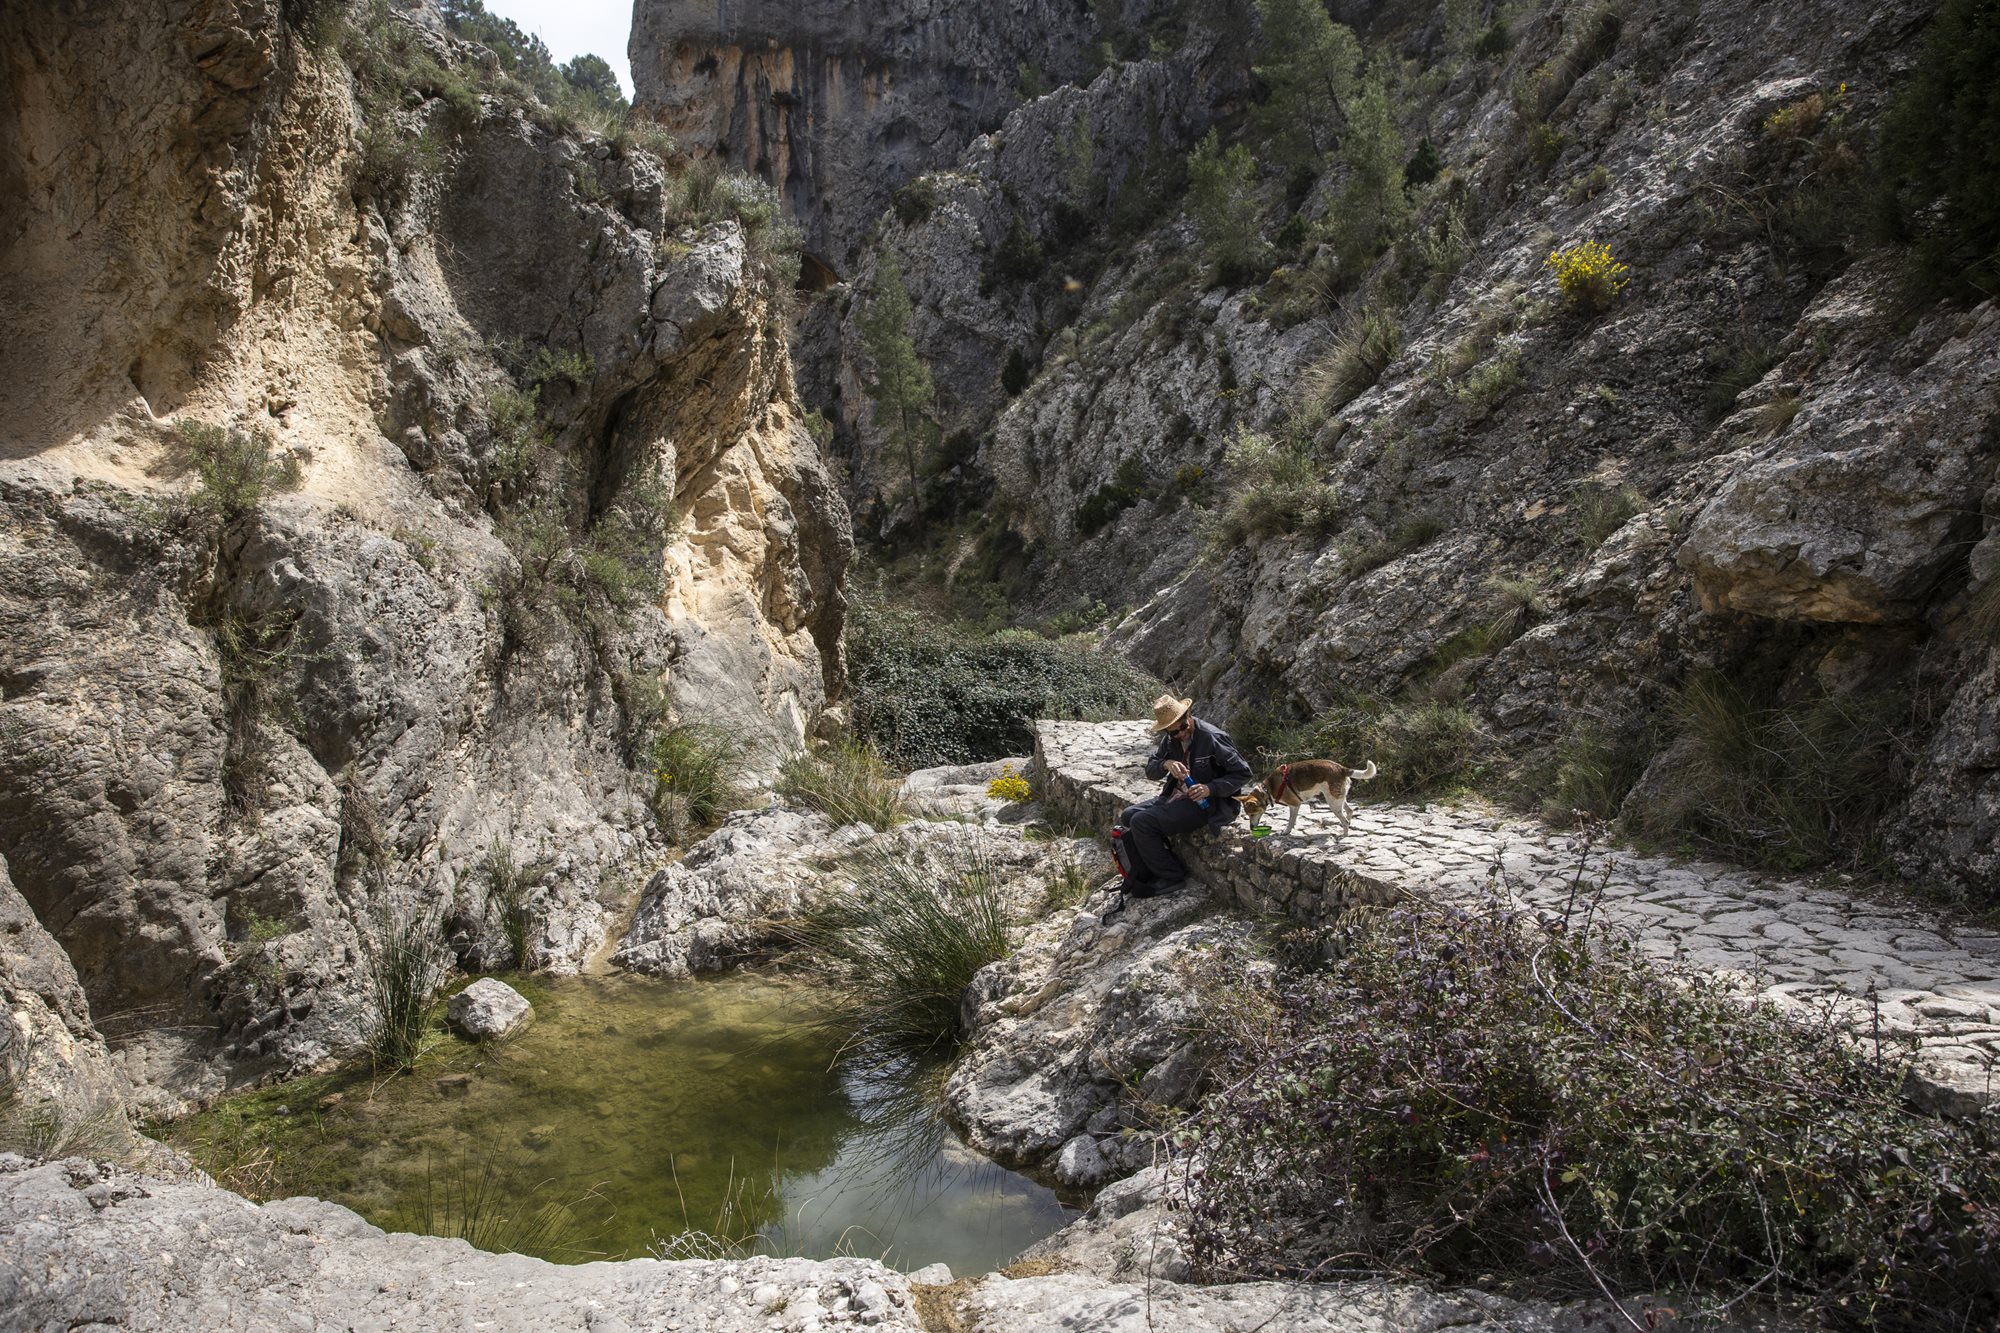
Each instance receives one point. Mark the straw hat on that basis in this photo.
(1168, 710)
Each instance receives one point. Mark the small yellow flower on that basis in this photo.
(1009, 786)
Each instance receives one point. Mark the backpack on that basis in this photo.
(1121, 852)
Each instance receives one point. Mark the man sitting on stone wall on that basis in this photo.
(1202, 772)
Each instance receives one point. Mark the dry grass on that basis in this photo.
(937, 1304)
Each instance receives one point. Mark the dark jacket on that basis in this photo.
(1211, 757)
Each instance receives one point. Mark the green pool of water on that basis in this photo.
(633, 1111)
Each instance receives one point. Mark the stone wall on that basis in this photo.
(1883, 968)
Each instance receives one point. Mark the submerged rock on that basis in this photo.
(488, 1010)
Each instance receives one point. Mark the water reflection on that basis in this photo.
(642, 1110)
(905, 1188)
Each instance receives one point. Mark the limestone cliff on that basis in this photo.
(238, 730)
(1758, 460)
(839, 104)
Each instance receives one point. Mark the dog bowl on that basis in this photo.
(1260, 830)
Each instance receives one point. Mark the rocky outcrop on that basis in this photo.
(89, 1245)
(836, 104)
(238, 736)
(994, 252)
(1080, 1041)
(736, 892)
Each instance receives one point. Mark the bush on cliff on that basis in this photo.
(1471, 1093)
(1941, 152)
(926, 694)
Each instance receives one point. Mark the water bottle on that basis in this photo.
(1188, 782)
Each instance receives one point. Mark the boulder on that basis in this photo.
(1064, 1035)
(488, 1010)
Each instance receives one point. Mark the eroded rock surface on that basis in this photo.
(1079, 1039)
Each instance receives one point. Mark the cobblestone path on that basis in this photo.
(1893, 970)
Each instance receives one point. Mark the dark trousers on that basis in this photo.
(1147, 828)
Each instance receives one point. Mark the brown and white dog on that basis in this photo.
(1292, 784)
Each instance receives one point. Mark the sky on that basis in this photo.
(575, 27)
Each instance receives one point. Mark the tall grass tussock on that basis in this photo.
(848, 783)
(897, 951)
(406, 966)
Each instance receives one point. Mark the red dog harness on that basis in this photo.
(1278, 787)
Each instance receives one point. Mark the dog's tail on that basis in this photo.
(1363, 774)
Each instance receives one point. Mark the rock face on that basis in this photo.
(838, 104)
(237, 740)
(488, 1010)
(58, 1090)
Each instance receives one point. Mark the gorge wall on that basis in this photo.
(518, 477)
(1413, 475)
(836, 104)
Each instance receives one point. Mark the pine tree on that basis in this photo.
(1311, 66)
(1221, 201)
(905, 400)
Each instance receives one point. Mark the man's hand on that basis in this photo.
(1176, 769)
(1198, 792)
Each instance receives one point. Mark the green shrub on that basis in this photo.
(1410, 533)
(1595, 767)
(407, 962)
(848, 783)
(1750, 361)
(1422, 748)
(1600, 508)
(1125, 489)
(1469, 1093)
(897, 951)
(917, 201)
(509, 882)
(926, 694)
(232, 471)
(1788, 785)
(1591, 35)
(1221, 200)
(1490, 382)
(1015, 373)
(1018, 258)
(1274, 488)
(694, 778)
(1940, 154)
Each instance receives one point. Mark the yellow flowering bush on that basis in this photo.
(1589, 275)
(1009, 786)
